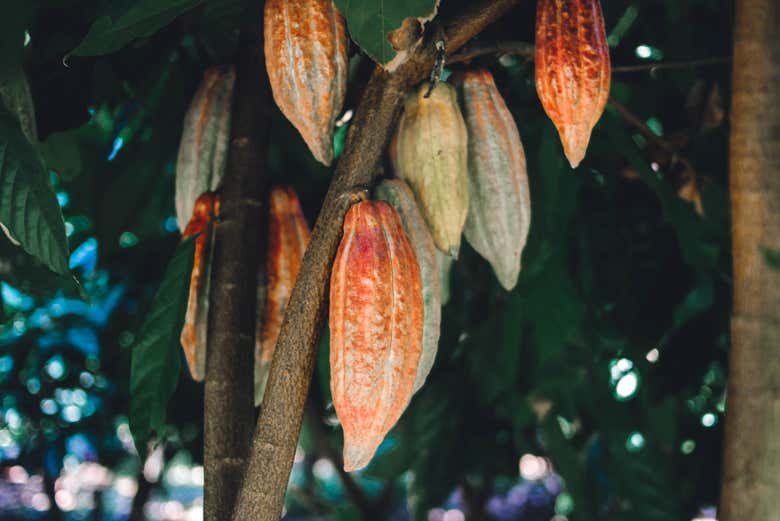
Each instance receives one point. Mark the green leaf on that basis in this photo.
(370, 21)
(28, 206)
(155, 358)
(142, 20)
(15, 94)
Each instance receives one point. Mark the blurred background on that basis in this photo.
(593, 391)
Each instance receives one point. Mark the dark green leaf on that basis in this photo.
(143, 19)
(370, 21)
(28, 205)
(156, 357)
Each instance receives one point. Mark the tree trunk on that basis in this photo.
(228, 414)
(751, 475)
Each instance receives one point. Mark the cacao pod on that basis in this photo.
(572, 69)
(431, 153)
(499, 199)
(288, 235)
(444, 263)
(397, 193)
(194, 333)
(376, 317)
(306, 59)
(200, 165)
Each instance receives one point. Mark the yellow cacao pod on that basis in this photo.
(376, 317)
(306, 59)
(288, 236)
(499, 199)
(431, 155)
(572, 69)
(200, 165)
(397, 193)
(195, 330)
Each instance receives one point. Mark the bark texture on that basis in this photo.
(752, 445)
(228, 403)
(273, 447)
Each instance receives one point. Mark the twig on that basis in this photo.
(476, 50)
(228, 402)
(652, 67)
(273, 446)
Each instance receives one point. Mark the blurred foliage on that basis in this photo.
(608, 358)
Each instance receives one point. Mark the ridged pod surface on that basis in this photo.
(376, 317)
(288, 236)
(200, 165)
(499, 199)
(397, 193)
(306, 59)
(431, 152)
(193, 334)
(572, 69)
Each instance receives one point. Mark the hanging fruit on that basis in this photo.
(397, 193)
(431, 155)
(572, 69)
(194, 333)
(288, 235)
(376, 328)
(499, 199)
(306, 59)
(200, 165)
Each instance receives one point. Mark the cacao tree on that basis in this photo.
(275, 195)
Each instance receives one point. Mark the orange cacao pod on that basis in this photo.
(431, 155)
(194, 332)
(288, 236)
(397, 193)
(499, 199)
(306, 59)
(200, 165)
(572, 69)
(376, 316)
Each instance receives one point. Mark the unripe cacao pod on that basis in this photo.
(431, 156)
(499, 199)
(194, 333)
(306, 59)
(376, 316)
(572, 69)
(397, 193)
(288, 236)
(444, 263)
(200, 165)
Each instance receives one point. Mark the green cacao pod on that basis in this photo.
(397, 193)
(572, 69)
(200, 165)
(431, 155)
(306, 59)
(499, 199)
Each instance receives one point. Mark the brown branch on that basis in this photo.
(527, 50)
(228, 403)
(273, 446)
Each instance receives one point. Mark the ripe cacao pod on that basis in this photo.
(431, 153)
(288, 236)
(194, 333)
(397, 193)
(306, 59)
(200, 165)
(376, 317)
(499, 199)
(572, 69)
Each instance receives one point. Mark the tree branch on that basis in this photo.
(273, 447)
(229, 391)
